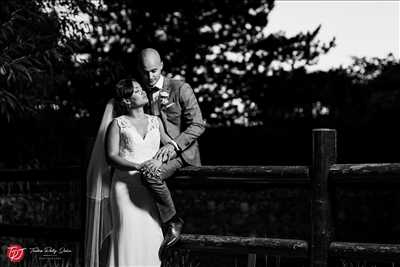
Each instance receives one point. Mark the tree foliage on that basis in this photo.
(380, 82)
(37, 39)
(240, 74)
(219, 48)
(222, 52)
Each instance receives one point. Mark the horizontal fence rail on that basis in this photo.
(42, 232)
(365, 251)
(274, 172)
(245, 245)
(373, 173)
(239, 176)
(73, 173)
(388, 173)
(287, 247)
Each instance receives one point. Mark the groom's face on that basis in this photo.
(150, 70)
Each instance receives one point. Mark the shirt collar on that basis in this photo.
(159, 83)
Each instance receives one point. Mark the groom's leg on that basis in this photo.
(160, 190)
(168, 169)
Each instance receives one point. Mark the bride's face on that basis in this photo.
(139, 97)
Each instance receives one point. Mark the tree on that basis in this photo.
(219, 48)
(361, 94)
(379, 80)
(37, 40)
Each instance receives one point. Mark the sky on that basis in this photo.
(362, 28)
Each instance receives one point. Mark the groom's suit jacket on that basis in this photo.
(182, 118)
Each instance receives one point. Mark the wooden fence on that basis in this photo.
(320, 178)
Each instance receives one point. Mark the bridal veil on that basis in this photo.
(98, 211)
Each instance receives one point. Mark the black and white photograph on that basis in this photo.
(226, 133)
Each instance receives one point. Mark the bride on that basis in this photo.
(123, 228)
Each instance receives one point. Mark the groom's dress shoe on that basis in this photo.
(173, 232)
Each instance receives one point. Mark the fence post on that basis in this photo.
(324, 155)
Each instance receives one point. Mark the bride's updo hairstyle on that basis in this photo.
(123, 93)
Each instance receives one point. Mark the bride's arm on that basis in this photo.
(112, 150)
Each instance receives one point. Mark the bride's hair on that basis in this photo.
(122, 94)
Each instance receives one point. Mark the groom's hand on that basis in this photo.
(166, 153)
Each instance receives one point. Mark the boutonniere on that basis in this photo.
(164, 99)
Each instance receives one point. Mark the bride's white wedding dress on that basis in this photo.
(137, 234)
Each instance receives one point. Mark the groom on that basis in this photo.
(175, 103)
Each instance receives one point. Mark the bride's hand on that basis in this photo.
(139, 166)
(152, 164)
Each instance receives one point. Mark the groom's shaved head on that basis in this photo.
(150, 55)
(150, 66)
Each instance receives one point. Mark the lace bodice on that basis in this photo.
(132, 145)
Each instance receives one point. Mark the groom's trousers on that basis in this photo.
(160, 190)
